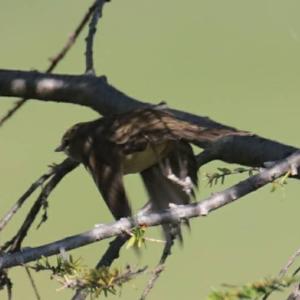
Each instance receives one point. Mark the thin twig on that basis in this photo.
(295, 294)
(32, 282)
(16, 106)
(112, 253)
(60, 171)
(159, 268)
(55, 59)
(39, 182)
(72, 38)
(290, 261)
(155, 274)
(89, 59)
(172, 215)
(284, 271)
(102, 285)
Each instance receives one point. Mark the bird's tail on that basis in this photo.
(171, 182)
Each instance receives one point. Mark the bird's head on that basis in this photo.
(74, 140)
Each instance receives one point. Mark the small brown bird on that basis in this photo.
(149, 141)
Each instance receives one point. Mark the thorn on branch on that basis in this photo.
(71, 273)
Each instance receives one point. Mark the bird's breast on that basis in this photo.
(139, 161)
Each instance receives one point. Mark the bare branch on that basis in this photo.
(12, 111)
(60, 171)
(96, 93)
(73, 37)
(7, 217)
(97, 14)
(33, 284)
(295, 294)
(56, 58)
(158, 269)
(90, 91)
(289, 263)
(174, 214)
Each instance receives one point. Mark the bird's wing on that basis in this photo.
(109, 180)
(134, 130)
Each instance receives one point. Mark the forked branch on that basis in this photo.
(57, 173)
(174, 214)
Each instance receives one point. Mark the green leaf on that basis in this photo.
(131, 242)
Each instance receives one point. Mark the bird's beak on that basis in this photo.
(60, 148)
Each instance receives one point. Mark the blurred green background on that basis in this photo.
(236, 61)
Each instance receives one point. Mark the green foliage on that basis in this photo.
(281, 182)
(70, 273)
(216, 177)
(137, 237)
(256, 290)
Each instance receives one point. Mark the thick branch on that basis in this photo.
(90, 91)
(57, 58)
(153, 219)
(96, 93)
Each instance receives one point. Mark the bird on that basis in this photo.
(150, 141)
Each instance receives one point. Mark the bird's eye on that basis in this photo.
(66, 141)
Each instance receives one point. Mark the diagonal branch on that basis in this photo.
(13, 210)
(296, 291)
(97, 14)
(57, 58)
(60, 172)
(73, 37)
(174, 214)
(159, 269)
(89, 91)
(98, 94)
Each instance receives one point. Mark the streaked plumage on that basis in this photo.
(149, 141)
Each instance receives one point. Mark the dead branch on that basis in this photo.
(59, 173)
(174, 214)
(98, 94)
(89, 58)
(13, 210)
(158, 269)
(54, 61)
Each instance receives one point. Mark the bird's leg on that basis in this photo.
(184, 182)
